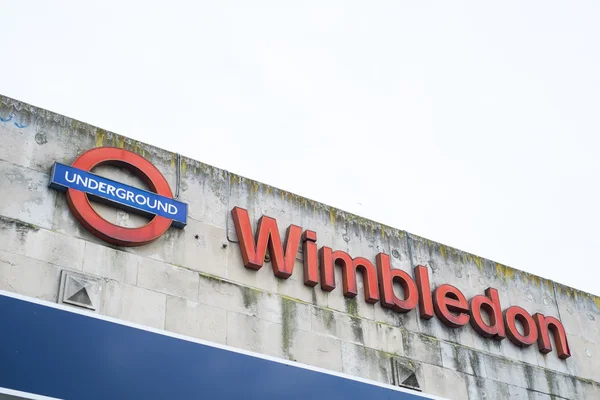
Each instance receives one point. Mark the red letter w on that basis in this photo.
(253, 253)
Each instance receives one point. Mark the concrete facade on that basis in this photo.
(193, 281)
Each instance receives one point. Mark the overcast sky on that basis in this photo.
(470, 123)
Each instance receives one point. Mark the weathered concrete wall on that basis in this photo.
(193, 281)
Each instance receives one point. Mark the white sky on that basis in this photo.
(470, 123)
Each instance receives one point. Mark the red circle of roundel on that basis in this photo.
(84, 212)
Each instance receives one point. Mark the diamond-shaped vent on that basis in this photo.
(81, 297)
(411, 382)
(404, 374)
(80, 290)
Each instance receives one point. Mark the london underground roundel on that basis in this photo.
(81, 185)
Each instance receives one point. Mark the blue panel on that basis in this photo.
(125, 196)
(53, 352)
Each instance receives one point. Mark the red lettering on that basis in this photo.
(425, 300)
(309, 249)
(369, 274)
(491, 305)
(387, 276)
(349, 268)
(544, 326)
(327, 272)
(447, 302)
(267, 234)
(451, 306)
(530, 332)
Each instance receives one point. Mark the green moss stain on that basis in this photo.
(21, 228)
(443, 251)
(328, 318)
(528, 371)
(6, 222)
(212, 278)
(184, 167)
(250, 297)
(405, 340)
(288, 310)
(100, 137)
(475, 364)
(455, 255)
(382, 360)
(351, 306)
(478, 262)
(551, 381)
(332, 216)
(357, 329)
(461, 360)
(504, 272)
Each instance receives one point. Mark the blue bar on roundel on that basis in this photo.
(65, 177)
(48, 350)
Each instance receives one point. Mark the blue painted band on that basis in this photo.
(137, 200)
(53, 352)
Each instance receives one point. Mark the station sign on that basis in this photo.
(446, 302)
(81, 186)
(127, 197)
